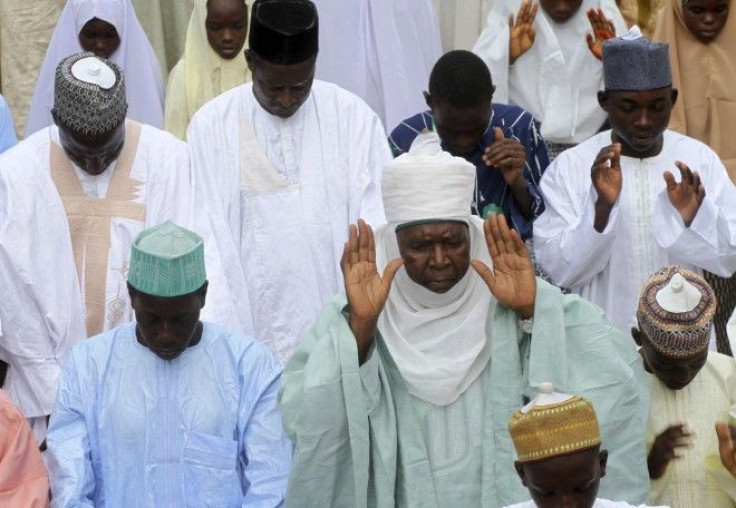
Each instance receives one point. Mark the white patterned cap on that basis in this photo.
(89, 96)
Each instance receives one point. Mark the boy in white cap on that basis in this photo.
(168, 411)
(690, 390)
(401, 395)
(558, 449)
(615, 211)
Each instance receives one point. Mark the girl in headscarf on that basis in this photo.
(110, 29)
(702, 39)
(213, 60)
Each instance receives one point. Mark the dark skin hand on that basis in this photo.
(603, 30)
(667, 446)
(686, 196)
(726, 436)
(607, 181)
(521, 30)
(509, 156)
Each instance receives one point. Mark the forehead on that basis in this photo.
(640, 96)
(98, 24)
(283, 75)
(81, 139)
(165, 307)
(563, 471)
(433, 230)
(662, 360)
(458, 118)
(706, 3)
(222, 9)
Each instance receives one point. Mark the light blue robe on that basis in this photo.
(132, 430)
(8, 138)
(362, 445)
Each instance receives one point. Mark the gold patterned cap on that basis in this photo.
(676, 310)
(553, 425)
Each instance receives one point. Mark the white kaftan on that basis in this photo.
(65, 240)
(289, 188)
(644, 233)
(558, 79)
(698, 478)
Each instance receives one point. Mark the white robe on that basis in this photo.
(557, 80)
(698, 478)
(381, 50)
(43, 310)
(289, 188)
(644, 233)
(599, 503)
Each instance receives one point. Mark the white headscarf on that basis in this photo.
(143, 82)
(438, 341)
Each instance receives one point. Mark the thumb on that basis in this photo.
(591, 41)
(669, 178)
(498, 134)
(485, 272)
(390, 271)
(725, 445)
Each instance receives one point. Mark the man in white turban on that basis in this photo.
(402, 396)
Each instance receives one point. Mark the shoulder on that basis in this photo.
(723, 363)
(325, 92)
(26, 155)
(513, 117)
(10, 415)
(404, 134)
(682, 145)
(154, 135)
(222, 105)
(244, 350)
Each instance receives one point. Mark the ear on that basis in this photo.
(603, 100)
(520, 471)
(203, 294)
(250, 60)
(637, 335)
(674, 96)
(132, 293)
(428, 100)
(603, 458)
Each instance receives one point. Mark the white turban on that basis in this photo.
(427, 183)
(440, 342)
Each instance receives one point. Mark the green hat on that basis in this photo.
(167, 260)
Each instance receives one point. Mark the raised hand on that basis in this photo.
(607, 181)
(521, 31)
(726, 435)
(686, 196)
(512, 279)
(667, 446)
(367, 291)
(506, 154)
(603, 30)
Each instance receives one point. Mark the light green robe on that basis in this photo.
(358, 445)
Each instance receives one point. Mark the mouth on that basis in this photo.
(167, 354)
(708, 34)
(645, 139)
(229, 51)
(440, 286)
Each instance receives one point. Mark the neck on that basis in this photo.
(628, 151)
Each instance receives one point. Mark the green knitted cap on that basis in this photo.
(167, 260)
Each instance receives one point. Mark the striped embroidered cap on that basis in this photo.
(553, 425)
(167, 260)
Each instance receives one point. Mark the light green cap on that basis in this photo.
(167, 260)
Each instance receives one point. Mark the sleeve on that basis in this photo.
(536, 163)
(493, 48)
(567, 245)
(371, 154)
(69, 448)
(8, 138)
(176, 118)
(23, 477)
(324, 413)
(266, 449)
(710, 241)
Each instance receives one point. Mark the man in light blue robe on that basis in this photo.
(401, 397)
(8, 138)
(168, 411)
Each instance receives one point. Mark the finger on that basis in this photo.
(533, 15)
(485, 273)
(696, 179)
(371, 245)
(616, 157)
(590, 41)
(498, 134)
(500, 232)
(685, 174)
(363, 240)
(669, 179)
(344, 260)
(532, 35)
(701, 193)
(353, 256)
(511, 21)
(518, 244)
(725, 445)
(490, 242)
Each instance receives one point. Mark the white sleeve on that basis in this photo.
(493, 48)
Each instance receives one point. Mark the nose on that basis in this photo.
(95, 165)
(568, 501)
(286, 99)
(439, 257)
(228, 36)
(643, 120)
(708, 18)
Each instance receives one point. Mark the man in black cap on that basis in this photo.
(615, 211)
(291, 162)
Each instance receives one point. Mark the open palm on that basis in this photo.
(512, 280)
(521, 30)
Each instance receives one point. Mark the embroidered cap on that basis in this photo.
(676, 310)
(89, 95)
(167, 260)
(633, 62)
(284, 32)
(553, 425)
